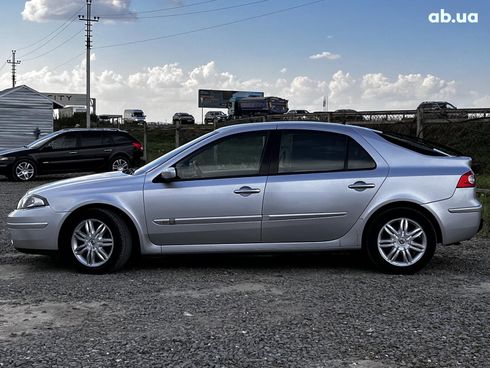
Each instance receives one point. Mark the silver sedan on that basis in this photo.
(268, 187)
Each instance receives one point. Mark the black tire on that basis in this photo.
(118, 230)
(420, 248)
(114, 162)
(18, 174)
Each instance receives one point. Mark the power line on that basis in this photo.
(57, 47)
(67, 61)
(210, 27)
(203, 11)
(157, 10)
(50, 39)
(48, 35)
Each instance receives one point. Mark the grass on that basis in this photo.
(483, 181)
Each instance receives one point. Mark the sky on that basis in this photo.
(361, 54)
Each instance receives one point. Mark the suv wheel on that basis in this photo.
(401, 241)
(98, 241)
(24, 170)
(119, 164)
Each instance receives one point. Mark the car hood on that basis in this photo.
(8, 151)
(81, 181)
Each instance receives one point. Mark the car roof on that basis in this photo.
(92, 130)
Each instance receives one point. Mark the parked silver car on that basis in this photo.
(268, 187)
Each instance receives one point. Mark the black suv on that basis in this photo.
(72, 150)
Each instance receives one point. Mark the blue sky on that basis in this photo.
(371, 37)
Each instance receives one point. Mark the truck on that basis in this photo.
(256, 106)
(134, 115)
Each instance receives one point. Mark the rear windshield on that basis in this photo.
(419, 145)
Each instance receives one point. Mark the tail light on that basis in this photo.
(138, 146)
(467, 180)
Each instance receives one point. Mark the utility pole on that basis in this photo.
(88, 43)
(14, 63)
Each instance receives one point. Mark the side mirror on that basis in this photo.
(168, 174)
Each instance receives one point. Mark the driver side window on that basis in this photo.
(238, 155)
(64, 142)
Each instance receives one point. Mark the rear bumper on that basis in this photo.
(459, 217)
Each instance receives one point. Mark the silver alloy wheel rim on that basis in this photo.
(402, 242)
(120, 164)
(92, 243)
(24, 170)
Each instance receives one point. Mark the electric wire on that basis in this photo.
(202, 11)
(242, 20)
(55, 48)
(157, 10)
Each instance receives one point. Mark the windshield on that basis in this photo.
(138, 114)
(41, 141)
(157, 162)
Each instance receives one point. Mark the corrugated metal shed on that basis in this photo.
(23, 111)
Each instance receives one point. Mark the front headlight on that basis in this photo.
(32, 201)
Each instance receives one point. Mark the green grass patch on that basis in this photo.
(483, 181)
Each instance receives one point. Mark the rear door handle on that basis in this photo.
(73, 152)
(246, 191)
(108, 150)
(360, 186)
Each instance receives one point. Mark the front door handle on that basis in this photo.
(360, 186)
(246, 191)
(73, 152)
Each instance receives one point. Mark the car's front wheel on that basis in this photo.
(97, 241)
(401, 241)
(24, 170)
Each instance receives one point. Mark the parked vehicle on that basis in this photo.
(347, 115)
(214, 117)
(183, 118)
(134, 116)
(329, 187)
(256, 106)
(72, 150)
(298, 112)
(441, 110)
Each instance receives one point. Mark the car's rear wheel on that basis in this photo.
(119, 164)
(97, 241)
(24, 170)
(401, 241)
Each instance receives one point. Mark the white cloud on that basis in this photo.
(44, 10)
(161, 90)
(325, 55)
(283, 70)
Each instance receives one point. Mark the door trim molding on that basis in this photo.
(206, 220)
(302, 216)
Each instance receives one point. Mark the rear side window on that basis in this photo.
(121, 138)
(313, 151)
(90, 139)
(419, 145)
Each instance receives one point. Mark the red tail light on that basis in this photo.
(467, 180)
(138, 146)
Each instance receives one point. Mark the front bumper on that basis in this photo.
(35, 229)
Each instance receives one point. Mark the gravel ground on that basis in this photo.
(327, 310)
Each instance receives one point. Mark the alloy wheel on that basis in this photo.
(402, 242)
(120, 164)
(92, 243)
(24, 170)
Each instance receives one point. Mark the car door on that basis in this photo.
(320, 184)
(217, 197)
(60, 154)
(91, 152)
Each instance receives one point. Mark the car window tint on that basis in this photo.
(358, 158)
(90, 139)
(307, 151)
(64, 142)
(121, 139)
(107, 139)
(239, 155)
